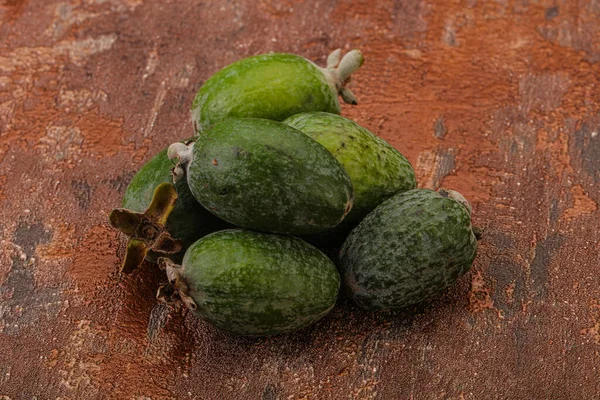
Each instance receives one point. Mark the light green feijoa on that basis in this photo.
(408, 249)
(274, 86)
(252, 283)
(377, 170)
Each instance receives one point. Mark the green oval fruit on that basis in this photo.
(274, 86)
(408, 249)
(377, 170)
(255, 284)
(265, 175)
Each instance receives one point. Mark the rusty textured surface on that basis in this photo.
(496, 99)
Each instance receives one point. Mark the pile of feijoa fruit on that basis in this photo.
(240, 215)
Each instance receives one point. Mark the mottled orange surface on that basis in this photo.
(499, 100)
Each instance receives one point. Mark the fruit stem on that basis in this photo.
(478, 232)
(183, 153)
(339, 71)
(176, 291)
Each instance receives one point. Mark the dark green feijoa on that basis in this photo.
(185, 219)
(274, 86)
(252, 283)
(264, 175)
(377, 170)
(408, 249)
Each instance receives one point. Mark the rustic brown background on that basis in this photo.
(497, 99)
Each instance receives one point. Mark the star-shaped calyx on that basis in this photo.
(146, 231)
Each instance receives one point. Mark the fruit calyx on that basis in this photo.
(339, 72)
(182, 154)
(176, 291)
(146, 231)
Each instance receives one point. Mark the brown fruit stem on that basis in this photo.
(478, 232)
(146, 231)
(176, 291)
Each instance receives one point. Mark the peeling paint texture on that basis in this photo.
(495, 99)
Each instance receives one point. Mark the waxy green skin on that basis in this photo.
(188, 221)
(407, 250)
(267, 176)
(377, 170)
(272, 86)
(256, 284)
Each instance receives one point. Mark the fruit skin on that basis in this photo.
(264, 175)
(257, 284)
(377, 170)
(188, 221)
(408, 249)
(272, 86)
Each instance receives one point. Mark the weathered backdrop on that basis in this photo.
(497, 99)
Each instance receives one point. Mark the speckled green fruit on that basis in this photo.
(188, 221)
(273, 86)
(377, 170)
(264, 175)
(408, 249)
(257, 284)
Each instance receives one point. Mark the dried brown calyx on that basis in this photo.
(146, 231)
(176, 291)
